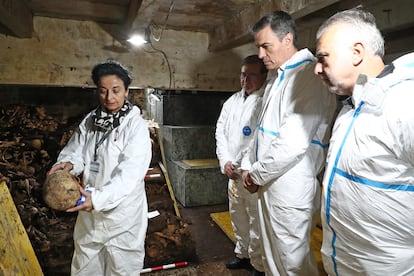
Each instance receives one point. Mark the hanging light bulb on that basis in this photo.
(137, 40)
(140, 38)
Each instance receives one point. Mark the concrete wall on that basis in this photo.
(62, 53)
(188, 108)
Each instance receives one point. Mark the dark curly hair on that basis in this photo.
(111, 67)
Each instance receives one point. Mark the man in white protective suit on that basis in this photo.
(368, 188)
(288, 149)
(235, 127)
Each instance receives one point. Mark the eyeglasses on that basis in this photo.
(247, 75)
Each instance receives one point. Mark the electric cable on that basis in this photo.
(156, 50)
(165, 22)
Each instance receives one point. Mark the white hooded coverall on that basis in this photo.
(288, 152)
(109, 240)
(368, 190)
(234, 131)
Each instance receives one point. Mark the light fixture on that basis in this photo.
(140, 37)
(143, 35)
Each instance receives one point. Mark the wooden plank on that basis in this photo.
(236, 31)
(163, 166)
(121, 32)
(133, 9)
(305, 7)
(17, 256)
(201, 162)
(167, 179)
(16, 17)
(81, 10)
(223, 220)
(393, 15)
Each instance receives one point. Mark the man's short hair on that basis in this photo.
(254, 59)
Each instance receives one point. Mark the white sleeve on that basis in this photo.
(222, 151)
(246, 162)
(72, 152)
(306, 109)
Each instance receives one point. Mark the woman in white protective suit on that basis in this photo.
(368, 189)
(235, 127)
(289, 148)
(112, 151)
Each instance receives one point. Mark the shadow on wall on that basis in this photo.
(62, 102)
(226, 71)
(185, 108)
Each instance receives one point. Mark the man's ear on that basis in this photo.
(288, 39)
(358, 53)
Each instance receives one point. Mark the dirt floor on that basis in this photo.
(213, 247)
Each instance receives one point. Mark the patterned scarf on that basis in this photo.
(108, 121)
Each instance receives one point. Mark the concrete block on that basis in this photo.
(189, 142)
(197, 185)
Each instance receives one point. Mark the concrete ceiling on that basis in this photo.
(226, 21)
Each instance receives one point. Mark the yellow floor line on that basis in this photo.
(222, 219)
